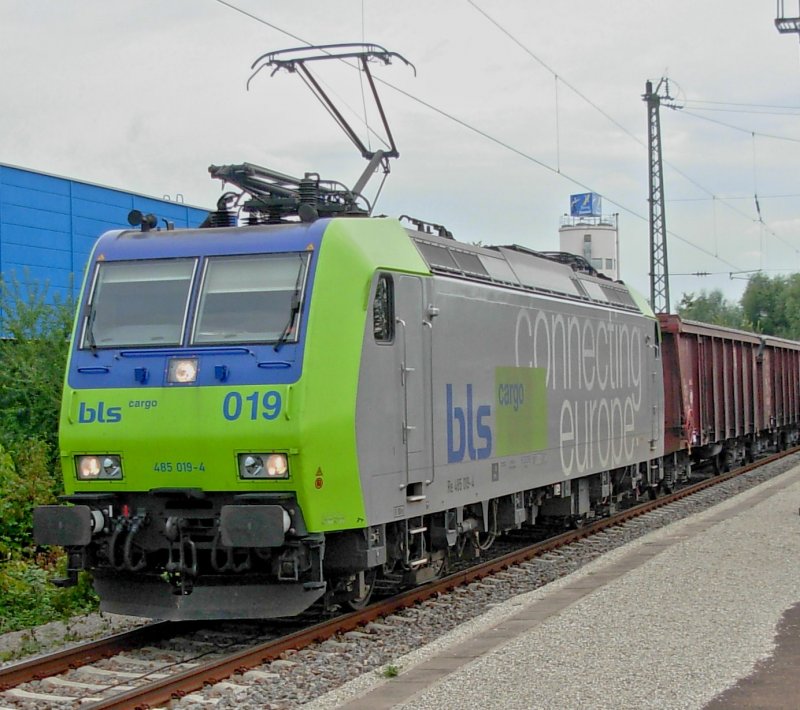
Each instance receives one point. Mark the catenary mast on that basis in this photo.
(659, 271)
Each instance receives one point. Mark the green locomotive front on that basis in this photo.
(208, 437)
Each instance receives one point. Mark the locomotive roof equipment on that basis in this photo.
(276, 197)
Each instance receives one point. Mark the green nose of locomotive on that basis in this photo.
(208, 426)
(180, 451)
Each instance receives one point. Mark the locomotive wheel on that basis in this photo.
(576, 522)
(357, 603)
(440, 566)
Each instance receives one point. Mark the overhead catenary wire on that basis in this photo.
(732, 274)
(621, 126)
(745, 105)
(554, 169)
(792, 195)
(550, 168)
(262, 21)
(759, 218)
(555, 73)
(714, 223)
(558, 130)
(754, 113)
(755, 182)
(743, 108)
(742, 129)
(764, 227)
(583, 96)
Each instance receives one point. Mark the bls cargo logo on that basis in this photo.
(515, 424)
(467, 427)
(102, 414)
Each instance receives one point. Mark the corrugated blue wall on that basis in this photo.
(48, 225)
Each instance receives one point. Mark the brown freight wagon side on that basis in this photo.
(727, 393)
(783, 383)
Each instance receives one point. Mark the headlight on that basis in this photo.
(182, 371)
(263, 466)
(104, 467)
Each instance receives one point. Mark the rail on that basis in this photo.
(180, 684)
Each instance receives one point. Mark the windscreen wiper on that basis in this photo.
(90, 331)
(295, 309)
(292, 315)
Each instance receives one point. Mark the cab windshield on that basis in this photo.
(139, 303)
(250, 299)
(242, 299)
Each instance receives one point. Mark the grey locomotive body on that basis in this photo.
(511, 390)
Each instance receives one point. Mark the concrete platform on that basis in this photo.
(704, 613)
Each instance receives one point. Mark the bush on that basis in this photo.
(33, 354)
(34, 334)
(26, 480)
(28, 598)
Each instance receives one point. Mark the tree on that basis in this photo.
(712, 308)
(765, 303)
(792, 306)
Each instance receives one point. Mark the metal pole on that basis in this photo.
(659, 270)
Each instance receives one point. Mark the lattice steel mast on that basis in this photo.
(787, 24)
(659, 270)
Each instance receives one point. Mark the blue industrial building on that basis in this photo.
(49, 224)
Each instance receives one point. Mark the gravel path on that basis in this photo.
(672, 633)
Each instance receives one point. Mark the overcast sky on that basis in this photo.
(144, 95)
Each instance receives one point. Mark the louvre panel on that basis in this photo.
(617, 295)
(541, 274)
(470, 263)
(518, 267)
(499, 270)
(437, 256)
(594, 290)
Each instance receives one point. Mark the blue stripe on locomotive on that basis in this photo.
(117, 367)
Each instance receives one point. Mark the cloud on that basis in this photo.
(145, 95)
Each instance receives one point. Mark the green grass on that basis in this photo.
(390, 671)
(28, 598)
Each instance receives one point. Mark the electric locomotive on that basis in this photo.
(256, 419)
(322, 403)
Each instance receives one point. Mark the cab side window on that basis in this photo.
(383, 310)
(657, 339)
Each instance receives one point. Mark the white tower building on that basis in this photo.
(588, 233)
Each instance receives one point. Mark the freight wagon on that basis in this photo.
(729, 394)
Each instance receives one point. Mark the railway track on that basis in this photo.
(81, 676)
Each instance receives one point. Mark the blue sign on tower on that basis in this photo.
(587, 204)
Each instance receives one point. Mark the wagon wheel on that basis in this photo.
(721, 463)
